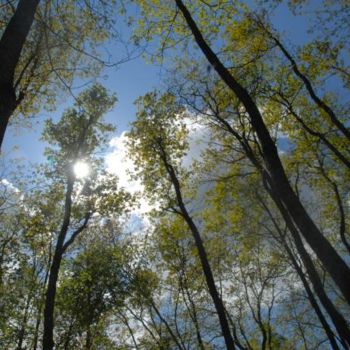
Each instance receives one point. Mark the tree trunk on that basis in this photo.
(309, 87)
(22, 331)
(162, 319)
(208, 274)
(7, 107)
(313, 300)
(303, 279)
(68, 335)
(333, 263)
(48, 342)
(191, 309)
(11, 45)
(337, 319)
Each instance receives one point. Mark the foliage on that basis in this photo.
(124, 288)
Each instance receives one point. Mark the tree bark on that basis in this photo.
(333, 263)
(11, 45)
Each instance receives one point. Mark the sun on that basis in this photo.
(81, 169)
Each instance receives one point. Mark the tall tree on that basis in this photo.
(77, 137)
(43, 47)
(155, 135)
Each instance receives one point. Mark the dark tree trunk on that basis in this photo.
(11, 45)
(22, 331)
(48, 342)
(313, 300)
(333, 263)
(337, 319)
(208, 274)
(61, 247)
(7, 107)
(304, 280)
(310, 89)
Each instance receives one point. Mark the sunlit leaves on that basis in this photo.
(158, 133)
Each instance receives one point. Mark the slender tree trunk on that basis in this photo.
(88, 343)
(22, 332)
(11, 45)
(234, 331)
(337, 319)
(131, 332)
(37, 327)
(303, 279)
(37, 324)
(309, 88)
(67, 340)
(192, 311)
(208, 274)
(40, 306)
(313, 300)
(48, 342)
(173, 336)
(333, 263)
(61, 247)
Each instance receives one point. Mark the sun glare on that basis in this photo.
(81, 169)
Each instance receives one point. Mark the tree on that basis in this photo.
(234, 252)
(155, 136)
(25, 259)
(95, 279)
(77, 136)
(43, 47)
(270, 164)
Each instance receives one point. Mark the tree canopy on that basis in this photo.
(231, 229)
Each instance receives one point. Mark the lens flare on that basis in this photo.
(81, 169)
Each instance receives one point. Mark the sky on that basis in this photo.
(129, 81)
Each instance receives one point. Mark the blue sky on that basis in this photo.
(128, 81)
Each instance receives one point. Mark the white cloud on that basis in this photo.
(7, 184)
(118, 163)
(197, 140)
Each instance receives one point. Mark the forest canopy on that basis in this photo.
(219, 219)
